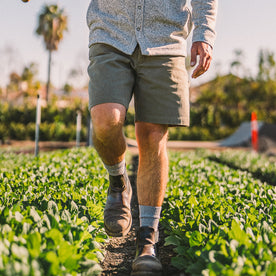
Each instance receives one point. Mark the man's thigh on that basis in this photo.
(111, 77)
(162, 90)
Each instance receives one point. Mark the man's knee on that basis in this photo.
(151, 135)
(107, 119)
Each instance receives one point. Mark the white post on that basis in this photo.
(37, 124)
(78, 128)
(90, 132)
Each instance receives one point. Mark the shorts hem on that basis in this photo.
(107, 101)
(165, 121)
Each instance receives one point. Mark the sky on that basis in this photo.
(247, 25)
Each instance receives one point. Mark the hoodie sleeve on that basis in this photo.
(204, 14)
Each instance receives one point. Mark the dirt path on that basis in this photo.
(121, 251)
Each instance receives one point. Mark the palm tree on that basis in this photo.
(52, 22)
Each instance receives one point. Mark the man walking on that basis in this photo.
(138, 47)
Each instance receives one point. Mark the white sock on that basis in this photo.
(149, 216)
(117, 169)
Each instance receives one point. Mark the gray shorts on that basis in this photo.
(159, 84)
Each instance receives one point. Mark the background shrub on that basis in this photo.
(59, 124)
(18, 123)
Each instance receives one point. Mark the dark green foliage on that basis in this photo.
(51, 213)
(18, 123)
(229, 100)
(220, 220)
(261, 167)
(219, 109)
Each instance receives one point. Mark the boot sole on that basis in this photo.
(146, 273)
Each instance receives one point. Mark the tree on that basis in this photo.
(28, 77)
(229, 100)
(25, 82)
(14, 84)
(236, 65)
(67, 88)
(267, 66)
(52, 22)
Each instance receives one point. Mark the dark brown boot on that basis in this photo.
(117, 213)
(146, 262)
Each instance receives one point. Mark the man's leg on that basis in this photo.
(109, 141)
(153, 163)
(151, 186)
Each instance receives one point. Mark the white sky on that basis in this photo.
(248, 25)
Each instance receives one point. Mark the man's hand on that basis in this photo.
(204, 51)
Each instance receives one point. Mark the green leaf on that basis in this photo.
(33, 244)
(65, 251)
(68, 255)
(172, 240)
(52, 258)
(72, 263)
(238, 234)
(53, 222)
(179, 262)
(181, 250)
(196, 239)
(192, 200)
(55, 235)
(92, 256)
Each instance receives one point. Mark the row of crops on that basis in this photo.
(220, 219)
(262, 167)
(51, 220)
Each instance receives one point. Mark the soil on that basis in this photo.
(121, 251)
(28, 146)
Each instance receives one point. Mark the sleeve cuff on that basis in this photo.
(206, 36)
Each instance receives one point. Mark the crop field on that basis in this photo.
(221, 219)
(219, 213)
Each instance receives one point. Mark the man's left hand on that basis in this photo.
(204, 50)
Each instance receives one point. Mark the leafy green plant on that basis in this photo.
(261, 166)
(220, 220)
(51, 213)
